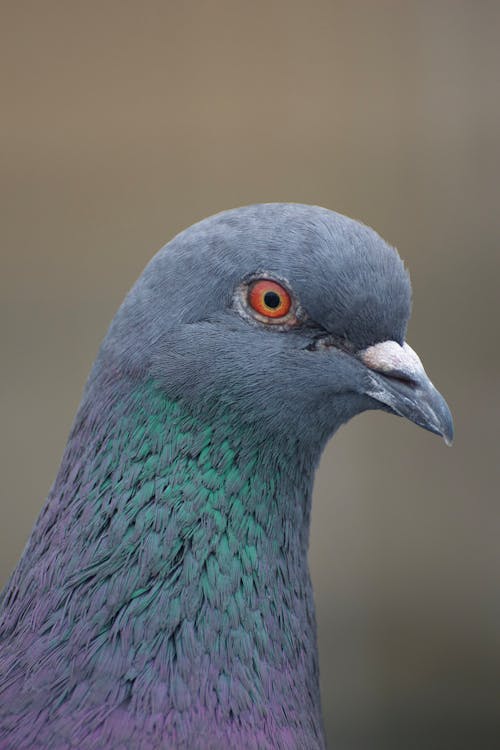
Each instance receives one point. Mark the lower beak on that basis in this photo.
(398, 380)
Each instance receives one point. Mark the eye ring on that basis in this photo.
(268, 300)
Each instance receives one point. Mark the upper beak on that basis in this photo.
(399, 381)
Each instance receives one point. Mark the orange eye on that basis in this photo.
(269, 299)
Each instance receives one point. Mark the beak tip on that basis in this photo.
(448, 439)
(449, 433)
(443, 420)
(447, 426)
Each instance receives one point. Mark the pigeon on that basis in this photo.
(163, 600)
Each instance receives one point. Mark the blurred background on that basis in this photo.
(124, 122)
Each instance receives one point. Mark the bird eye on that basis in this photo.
(269, 299)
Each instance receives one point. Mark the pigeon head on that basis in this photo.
(291, 318)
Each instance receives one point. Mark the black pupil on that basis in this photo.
(272, 300)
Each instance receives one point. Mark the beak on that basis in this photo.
(399, 381)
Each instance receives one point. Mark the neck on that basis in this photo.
(178, 568)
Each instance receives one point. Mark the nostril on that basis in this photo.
(401, 377)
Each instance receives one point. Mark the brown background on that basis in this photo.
(123, 122)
